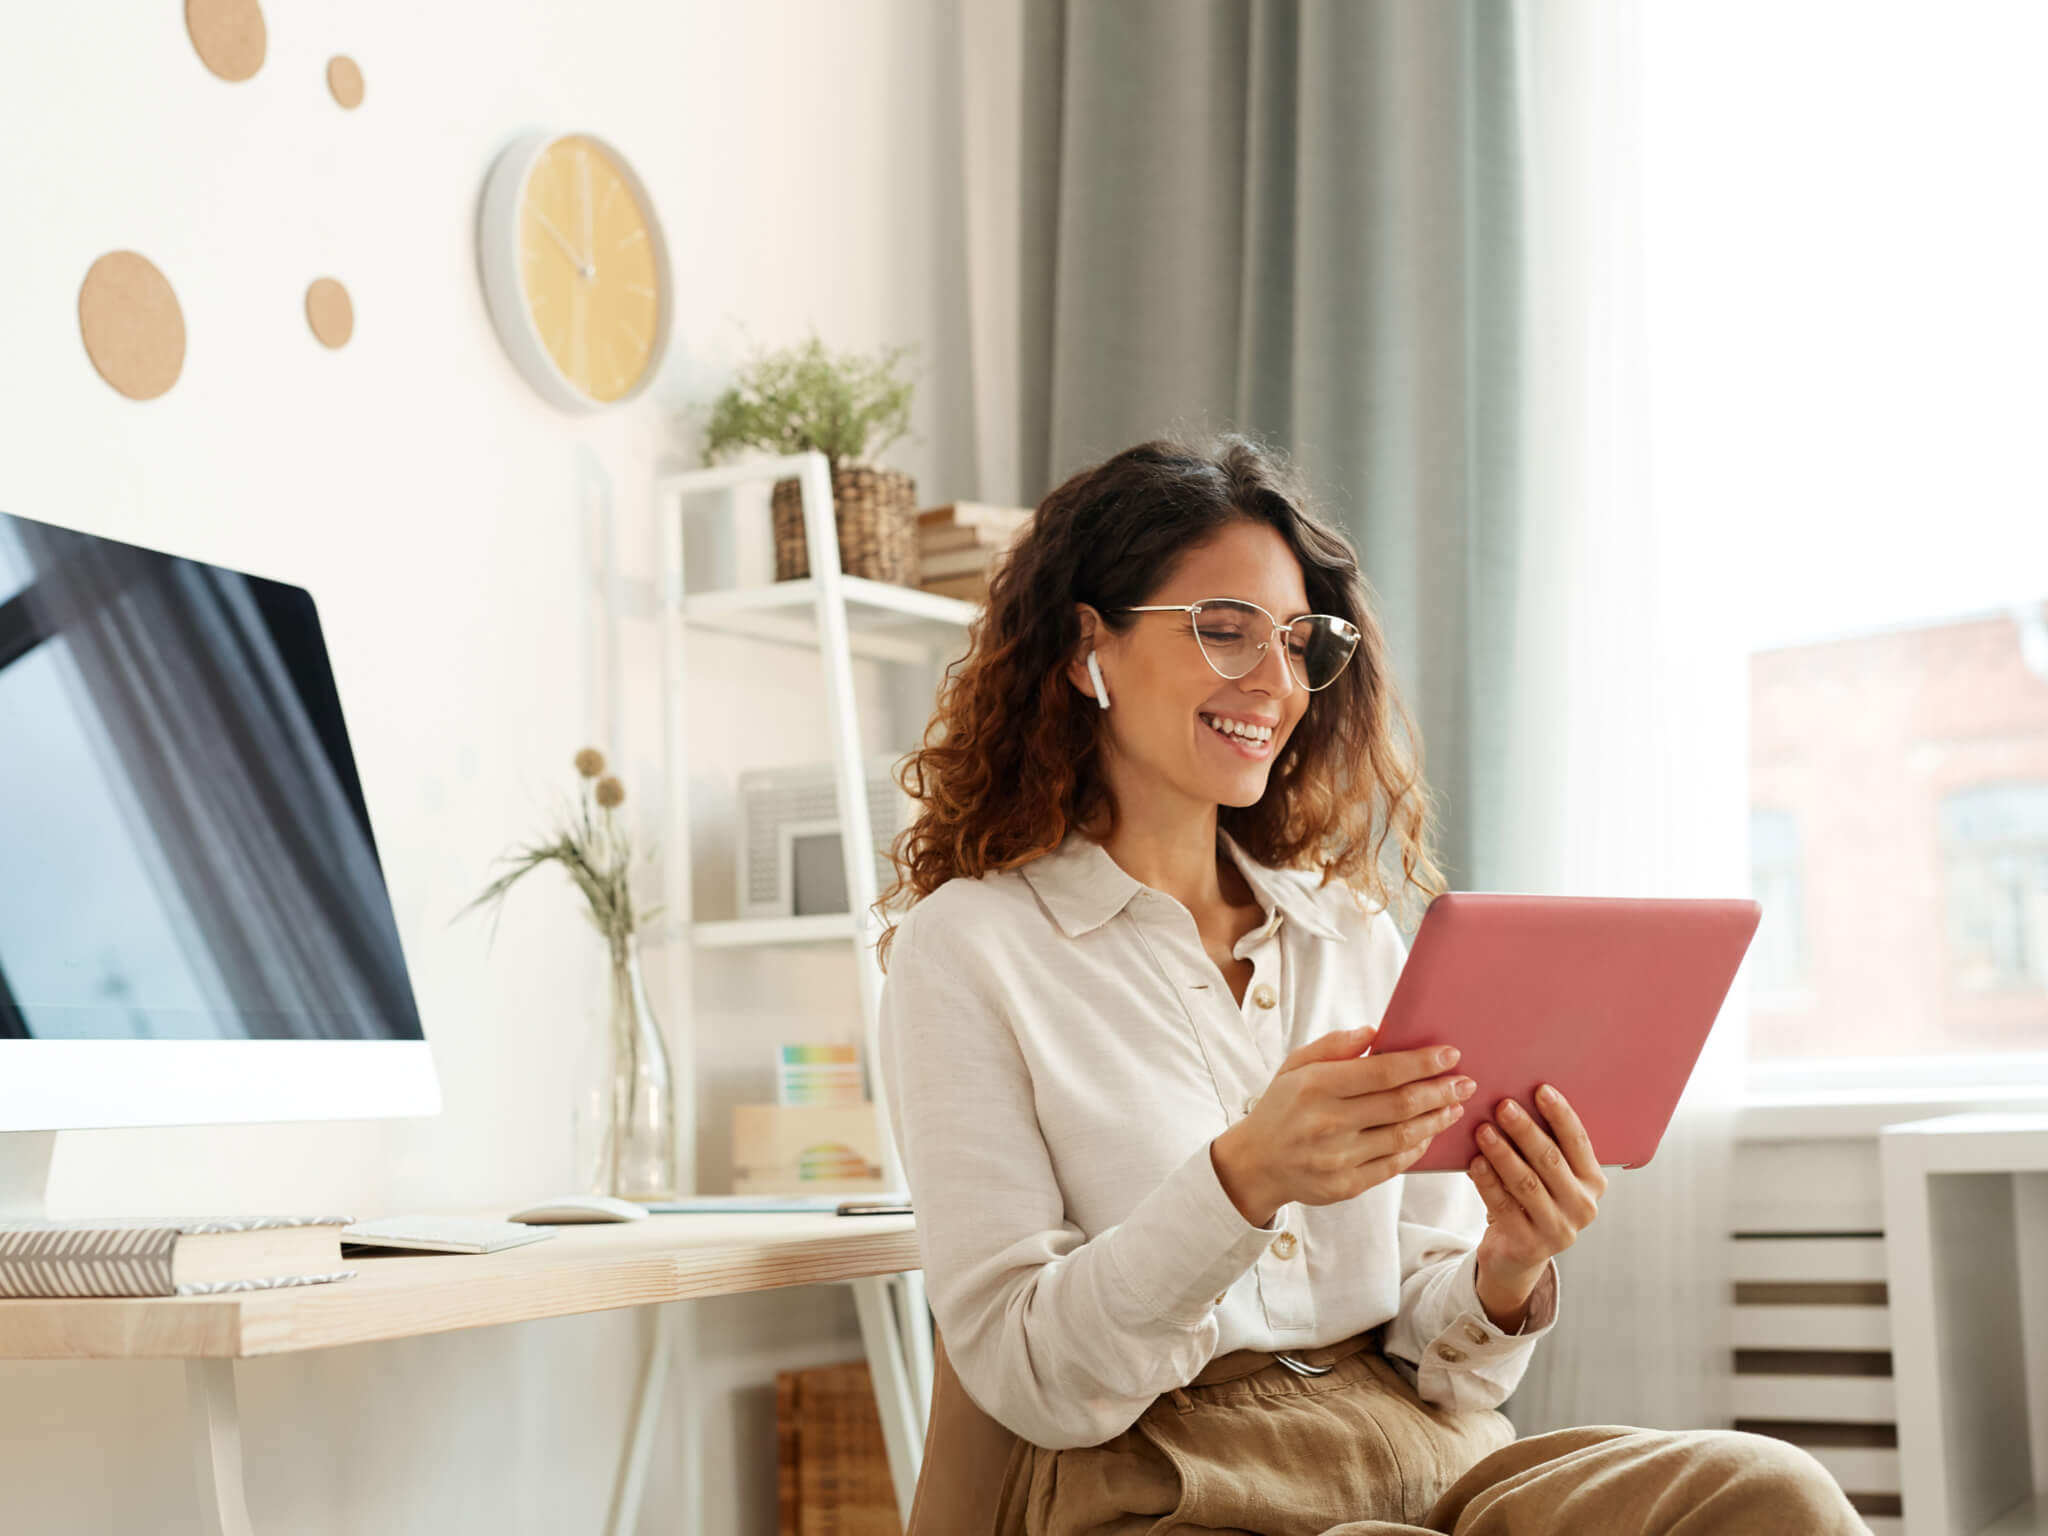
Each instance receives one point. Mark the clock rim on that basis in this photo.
(498, 241)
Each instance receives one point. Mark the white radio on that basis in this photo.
(788, 860)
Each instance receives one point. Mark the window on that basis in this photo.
(1777, 959)
(1899, 846)
(1844, 316)
(1994, 845)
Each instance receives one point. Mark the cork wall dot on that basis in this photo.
(345, 80)
(329, 312)
(133, 328)
(228, 34)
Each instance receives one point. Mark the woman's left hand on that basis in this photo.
(1540, 1192)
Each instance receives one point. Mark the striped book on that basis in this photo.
(973, 514)
(941, 541)
(937, 565)
(168, 1255)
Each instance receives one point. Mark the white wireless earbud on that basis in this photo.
(1095, 673)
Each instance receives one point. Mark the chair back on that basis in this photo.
(966, 1454)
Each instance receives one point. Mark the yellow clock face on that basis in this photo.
(587, 267)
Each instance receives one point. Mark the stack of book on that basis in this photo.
(807, 1149)
(958, 544)
(818, 1074)
(168, 1255)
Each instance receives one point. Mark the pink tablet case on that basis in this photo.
(1608, 998)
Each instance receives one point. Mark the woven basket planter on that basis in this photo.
(876, 511)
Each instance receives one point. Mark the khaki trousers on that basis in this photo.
(1252, 1448)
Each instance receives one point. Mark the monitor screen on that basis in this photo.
(185, 853)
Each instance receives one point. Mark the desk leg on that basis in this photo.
(216, 1429)
(667, 1322)
(902, 1430)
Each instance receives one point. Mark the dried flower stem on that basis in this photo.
(593, 850)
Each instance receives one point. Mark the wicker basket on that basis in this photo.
(832, 1465)
(876, 510)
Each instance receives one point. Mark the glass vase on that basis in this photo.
(638, 1157)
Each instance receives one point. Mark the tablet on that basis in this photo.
(1610, 999)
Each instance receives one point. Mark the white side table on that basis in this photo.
(1966, 1246)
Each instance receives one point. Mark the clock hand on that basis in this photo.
(583, 269)
(583, 175)
(579, 347)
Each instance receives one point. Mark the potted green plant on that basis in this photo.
(849, 408)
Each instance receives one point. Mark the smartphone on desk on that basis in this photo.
(874, 1208)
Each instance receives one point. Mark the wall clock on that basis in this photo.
(575, 270)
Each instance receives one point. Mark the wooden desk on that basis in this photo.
(583, 1268)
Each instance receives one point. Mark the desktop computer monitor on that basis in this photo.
(194, 923)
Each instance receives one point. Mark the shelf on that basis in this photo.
(734, 933)
(731, 933)
(884, 621)
(836, 618)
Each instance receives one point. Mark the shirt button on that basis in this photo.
(1219, 1299)
(1250, 1100)
(1264, 996)
(1450, 1354)
(1474, 1334)
(1283, 1245)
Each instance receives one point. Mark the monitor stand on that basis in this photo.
(25, 1174)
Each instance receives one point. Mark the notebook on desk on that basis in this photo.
(438, 1234)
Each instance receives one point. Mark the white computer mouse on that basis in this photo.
(568, 1208)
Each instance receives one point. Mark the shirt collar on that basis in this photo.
(1084, 887)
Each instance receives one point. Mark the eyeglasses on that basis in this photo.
(1233, 636)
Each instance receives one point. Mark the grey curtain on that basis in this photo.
(1302, 218)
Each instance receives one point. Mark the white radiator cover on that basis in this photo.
(1808, 1214)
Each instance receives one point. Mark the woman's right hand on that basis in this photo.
(1333, 1124)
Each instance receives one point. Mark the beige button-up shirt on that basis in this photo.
(1058, 1052)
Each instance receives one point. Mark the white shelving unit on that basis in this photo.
(1966, 1246)
(840, 617)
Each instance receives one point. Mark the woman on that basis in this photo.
(1163, 1228)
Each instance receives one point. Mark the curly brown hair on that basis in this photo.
(1017, 759)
